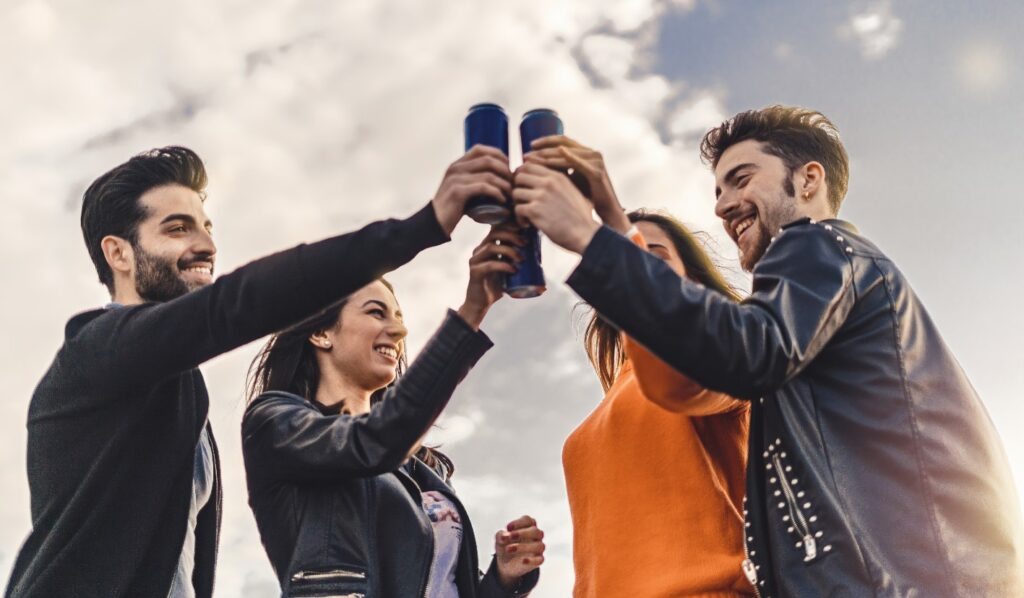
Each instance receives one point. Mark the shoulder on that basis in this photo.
(275, 402)
(807, 241)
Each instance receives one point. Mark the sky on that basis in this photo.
(316, 117)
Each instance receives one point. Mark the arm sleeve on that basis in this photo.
(665, 386)
(289, 440)
(802, 292)
(490, 587)
(141, 345)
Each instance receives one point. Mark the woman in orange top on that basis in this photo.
(655, 475)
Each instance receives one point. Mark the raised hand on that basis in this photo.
(518, 549)
(482, 170)
(492, 260)
(548, 200)
(589, 174)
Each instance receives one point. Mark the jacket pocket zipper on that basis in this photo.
(795, 514)
(332, 574)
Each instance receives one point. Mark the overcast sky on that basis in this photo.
(315, 117)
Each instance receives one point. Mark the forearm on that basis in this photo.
(149, 342)
(297, 442)
(696, 331)
(490, 585)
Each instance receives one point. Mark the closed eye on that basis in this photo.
(376, 312)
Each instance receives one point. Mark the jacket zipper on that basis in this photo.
(332, 574)
(749, 569)
(795, 514)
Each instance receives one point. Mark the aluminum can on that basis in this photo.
(528, 281)
(487, 124)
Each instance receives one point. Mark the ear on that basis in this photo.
(810, 179)
(319, 340)
(119, 254)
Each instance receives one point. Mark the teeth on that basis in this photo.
(393, 354)
(199, 269)
(744, 225)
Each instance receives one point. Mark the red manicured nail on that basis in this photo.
(526, 561)
(513, 548)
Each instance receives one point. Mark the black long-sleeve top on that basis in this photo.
(114, 422)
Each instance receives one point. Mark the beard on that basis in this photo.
(158, 279)
(779, 212)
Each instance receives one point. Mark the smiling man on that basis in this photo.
(122, 465)
(873, 468)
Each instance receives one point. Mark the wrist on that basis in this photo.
(507, 582)
(471, 314)
(582, 237)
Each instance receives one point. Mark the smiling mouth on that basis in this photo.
(743, 225)
(205, 270)
(389, 352)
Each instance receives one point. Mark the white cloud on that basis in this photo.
(314, 117)
(874, 28)
(982, 67)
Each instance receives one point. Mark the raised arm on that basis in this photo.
(142, 344)
(802, 293)
(290, 439)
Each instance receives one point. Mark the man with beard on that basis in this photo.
(122, 465)
(874, 469)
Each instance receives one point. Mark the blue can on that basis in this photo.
(487, 124)
(528, 281)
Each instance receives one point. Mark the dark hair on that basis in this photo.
(287, 362)
(603, 342)
(793, 134)
(110, 206)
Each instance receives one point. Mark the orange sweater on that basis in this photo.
(655, 477)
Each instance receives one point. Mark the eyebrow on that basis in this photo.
(208, 225)
(398, 312)
(653, 245)
(730, 177)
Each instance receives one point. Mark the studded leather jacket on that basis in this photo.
(874, 469)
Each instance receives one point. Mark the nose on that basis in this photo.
(725, 205)
(203, 243)
(397, 330)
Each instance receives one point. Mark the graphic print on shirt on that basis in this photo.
(447, 524)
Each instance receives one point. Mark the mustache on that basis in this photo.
(202, 258)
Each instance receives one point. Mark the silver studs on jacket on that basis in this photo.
(793, 502)
(839, 238)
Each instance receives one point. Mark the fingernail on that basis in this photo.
(526, 561)
(513, 548)
(514, 535)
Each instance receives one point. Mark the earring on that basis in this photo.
(327, 345)
(806, 195)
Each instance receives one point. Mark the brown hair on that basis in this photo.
(603, 341)
(287, 362)
(793, 134)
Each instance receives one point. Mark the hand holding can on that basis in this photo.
(487, 124)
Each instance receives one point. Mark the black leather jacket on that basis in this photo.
(338, 512)
(874, 469)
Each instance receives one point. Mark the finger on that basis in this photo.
(483, 163)
(579, 162)
(479, 150)
(492, 268)
(532, 562)
(554, 141)
(527, 534)
(504, 236)
(522, 195)
(496, 253)
(555, 163)
(530, 168)
(467, 190)
(522, 213)
(489, 177)
(525, 548)
(530, 180)
(523, 522)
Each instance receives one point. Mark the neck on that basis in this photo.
(125, 294)
(335, 388)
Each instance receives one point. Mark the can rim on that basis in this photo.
(484, 105)
(539, 111)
